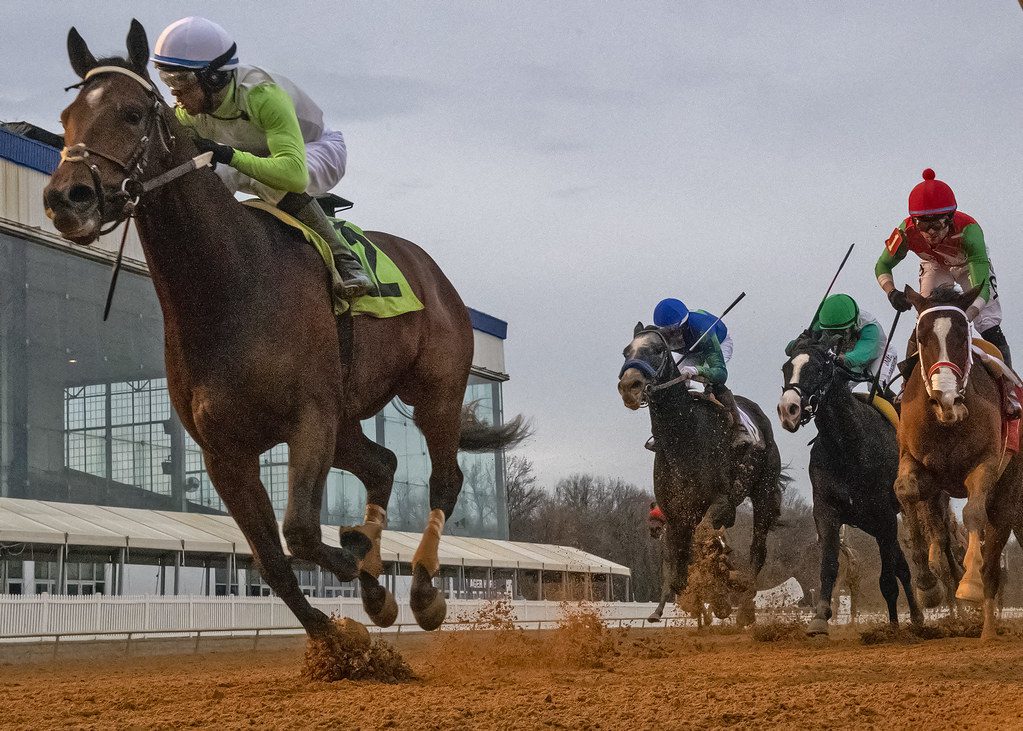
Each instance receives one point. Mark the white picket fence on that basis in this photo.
(98, 616)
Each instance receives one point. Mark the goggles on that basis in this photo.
(178, 79)
(931, 223)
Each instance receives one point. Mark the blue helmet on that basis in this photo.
(670, 312)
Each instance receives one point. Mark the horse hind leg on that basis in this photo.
(310, 452)
(238, 484)
(439, 416)
(374, 465)
(995, 538)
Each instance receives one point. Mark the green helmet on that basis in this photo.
(838, 312)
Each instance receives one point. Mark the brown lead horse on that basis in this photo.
(253, 351)
(950, 439)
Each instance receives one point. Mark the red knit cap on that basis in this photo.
(657, 515)
(931, 197)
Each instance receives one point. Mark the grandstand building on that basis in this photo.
(85, 417)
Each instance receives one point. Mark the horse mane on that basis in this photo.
(944, 294)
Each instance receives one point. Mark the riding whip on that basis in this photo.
(720, 317)
(834, 279)
(891, 334)
(199, 161)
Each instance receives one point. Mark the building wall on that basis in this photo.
(84, 411)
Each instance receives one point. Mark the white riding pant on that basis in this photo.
(325, 157)
(934, 275)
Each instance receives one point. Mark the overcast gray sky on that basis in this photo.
(569, 164)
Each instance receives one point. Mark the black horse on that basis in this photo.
(853, 464)
(696, 468)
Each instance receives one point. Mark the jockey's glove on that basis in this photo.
(688, 372)
(899, 300)
(221, 153)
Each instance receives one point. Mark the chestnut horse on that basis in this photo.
(950, 440)
(254, 354)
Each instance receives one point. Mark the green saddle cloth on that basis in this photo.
(390, 295)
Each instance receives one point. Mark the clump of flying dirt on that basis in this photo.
(486, 637)
(583, 639)
(779, 631)
(944, 628)
(349, 653)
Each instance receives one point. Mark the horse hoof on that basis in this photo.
(378, 602)
(932, 597)
(817, 627)
(428, 604)
(970, 591)
(355, 542)
(653, 618)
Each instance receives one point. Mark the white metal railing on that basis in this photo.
(45, 616)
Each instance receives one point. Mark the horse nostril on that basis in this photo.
(81, 194)
(792, 409)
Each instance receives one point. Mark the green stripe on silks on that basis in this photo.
(391, 294)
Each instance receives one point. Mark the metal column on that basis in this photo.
(178, 560)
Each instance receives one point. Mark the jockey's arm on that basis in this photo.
(271, 109)
(886, 263)
(977, 262)
(712, 367)
(868, 347)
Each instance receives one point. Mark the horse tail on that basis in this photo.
(478, 436)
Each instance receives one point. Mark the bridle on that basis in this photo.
(962, 373)
(131, 188)
(808, 405)
(660, 377)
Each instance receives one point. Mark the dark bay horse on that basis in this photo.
(950, 440)
(254, 354)
(695, 465)
(853, 465)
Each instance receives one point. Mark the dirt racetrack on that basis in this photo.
(645, 679)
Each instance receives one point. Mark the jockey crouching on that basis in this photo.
(266, 134)
(952, 251)
(681, 328)
(859, 339)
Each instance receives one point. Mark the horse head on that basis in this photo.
(809, 372)
(114, 131)
(648, 363)
(945, 348)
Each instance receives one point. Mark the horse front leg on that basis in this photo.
(667, 579)
(911, 487)
(828, 528)
(374, 465)
(995, 538)
(975, 518)
(237, 482)
(310, 454)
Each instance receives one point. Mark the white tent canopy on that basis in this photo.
(54, 523)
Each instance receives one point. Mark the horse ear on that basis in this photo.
(968, 298)
(82, 60)
(915, 298)
(138, 46)
(638, 329)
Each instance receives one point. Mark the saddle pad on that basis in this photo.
(391, 294)
(883, 406)
(749, 425)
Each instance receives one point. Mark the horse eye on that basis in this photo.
(132, 116)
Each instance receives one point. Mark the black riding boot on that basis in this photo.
(352, 280)
(996, 337)
(740, 437)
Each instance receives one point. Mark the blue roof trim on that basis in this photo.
(29, 153)
(488, 324)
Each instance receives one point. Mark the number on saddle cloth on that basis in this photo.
(355, 241)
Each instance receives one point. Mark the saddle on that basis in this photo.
(1010, 386)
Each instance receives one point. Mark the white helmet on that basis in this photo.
(195, 43)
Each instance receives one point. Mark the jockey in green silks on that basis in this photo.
(266, 134)
(860, 338)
